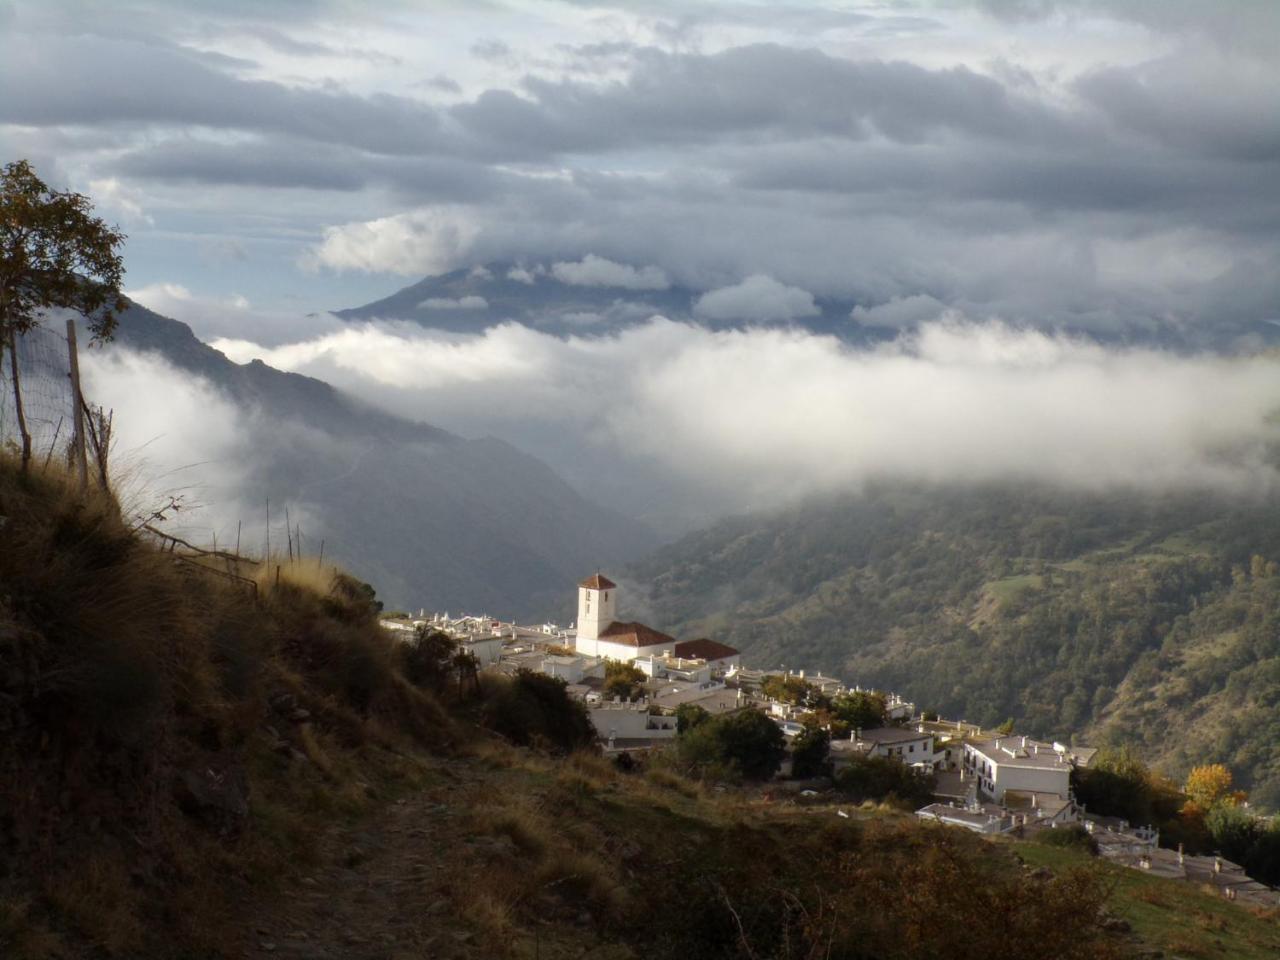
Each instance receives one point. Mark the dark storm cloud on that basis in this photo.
(293, 164)
(1250, 25)
(1180, 103)
(1116, 193)
(1096, 177)
(96, 81)
(762, 90)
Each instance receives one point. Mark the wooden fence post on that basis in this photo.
(77, 404)
(17, 399)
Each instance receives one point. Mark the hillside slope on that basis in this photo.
(431, 518)
(1121, 618)
(193, 767)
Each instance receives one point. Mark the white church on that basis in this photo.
(599, 634)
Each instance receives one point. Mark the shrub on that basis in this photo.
(809, 753)
(1074, 837)
(883, 778)
(427, 659)
(623, 680)
(688, 716)
(746, 742)
(533, 708)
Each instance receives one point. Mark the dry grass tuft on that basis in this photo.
(592, 765)
(582, 876)
(670, 780)
(527, 828)
(1156, 894)
(305, 573)
(315, 753)
(492, 917)
(99, 898)
(1183, 946)
(22, 936)
(576, 786)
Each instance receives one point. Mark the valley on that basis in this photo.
(1147, 620)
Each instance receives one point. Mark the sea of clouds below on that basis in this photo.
(718, 422)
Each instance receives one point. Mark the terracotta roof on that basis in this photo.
(704, 650)
(598, 582)
(635, 635)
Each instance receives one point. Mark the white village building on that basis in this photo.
(600, 634)
(904, 744)
(1020, 764)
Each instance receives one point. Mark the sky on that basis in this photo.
(980, 175)
(1108, 164)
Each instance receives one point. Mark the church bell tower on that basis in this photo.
(597, 605)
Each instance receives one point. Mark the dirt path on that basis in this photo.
(376, 891)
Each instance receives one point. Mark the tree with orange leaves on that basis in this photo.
(1210, 785)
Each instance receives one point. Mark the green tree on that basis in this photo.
(428, 659)
(1234, 830)
(745, 742)
(788, 689)
(1118, 784)
(54, 254)
(535, 709)
(858, 708)
(883, 778)
(623, 680)
(809, 751)
(689, 715)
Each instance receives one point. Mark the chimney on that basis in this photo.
(998, 742)
(857, 734)
(1024, 743)
(1036, 750)
(1217, 864)
(1180, 856)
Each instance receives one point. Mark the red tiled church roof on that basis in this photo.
(598, 582)
(635, 635)
(703, 650)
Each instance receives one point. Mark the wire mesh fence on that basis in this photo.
(48, 400)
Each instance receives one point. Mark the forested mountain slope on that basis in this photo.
(1121, 618)
(431, 518)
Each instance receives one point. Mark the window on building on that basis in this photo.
(911, 749)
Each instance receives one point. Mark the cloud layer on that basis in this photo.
(1094, 166)
(759, 297)
(754, 418)
(593, 271)
(172, 436)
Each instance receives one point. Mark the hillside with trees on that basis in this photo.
(203, 760)
(1127, 618)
